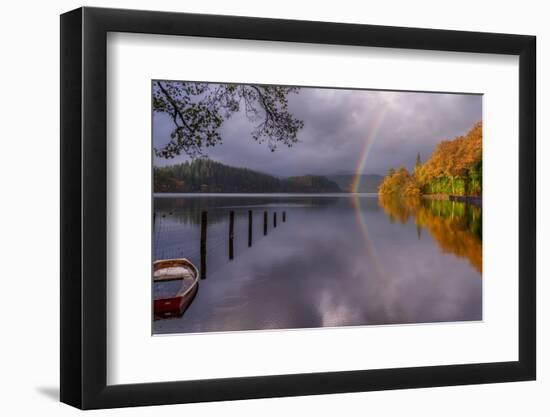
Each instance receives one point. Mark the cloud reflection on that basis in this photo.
(303, 275)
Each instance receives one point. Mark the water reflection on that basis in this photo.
(336, 261)
(456, 227)
(187, 209)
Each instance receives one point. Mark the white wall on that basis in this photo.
(29, 111)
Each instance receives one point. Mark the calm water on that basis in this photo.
(338, 260)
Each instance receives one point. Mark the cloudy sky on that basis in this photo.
(337, 126)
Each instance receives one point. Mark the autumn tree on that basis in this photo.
(198, 110)
(399, 184)
(454, 166)
(417, 166)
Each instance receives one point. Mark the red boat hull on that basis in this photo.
(173, 307)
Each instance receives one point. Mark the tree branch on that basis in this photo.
(174, 106)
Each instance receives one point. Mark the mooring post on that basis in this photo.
(284, 216)
(231, 228)
(265, 223)
(275, 219)
(204, 223)
(249, 228)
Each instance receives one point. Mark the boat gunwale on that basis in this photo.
(173, 262)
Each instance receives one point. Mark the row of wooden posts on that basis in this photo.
(204, 225)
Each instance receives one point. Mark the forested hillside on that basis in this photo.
(454, 168)
(368, 183)
(205, 175)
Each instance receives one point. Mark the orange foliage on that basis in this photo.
(453, 158)
(453, 168)
(399, 183)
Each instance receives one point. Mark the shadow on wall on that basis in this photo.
(50, 392)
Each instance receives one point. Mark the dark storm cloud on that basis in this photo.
(337, 124)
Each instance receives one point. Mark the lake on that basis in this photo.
(337, 260)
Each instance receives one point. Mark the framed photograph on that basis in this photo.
(257, 208)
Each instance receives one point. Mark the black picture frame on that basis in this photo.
(84, 207)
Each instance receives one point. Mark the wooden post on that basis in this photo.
(275, 219)
(284, 216)
(204, 223)
(249, 228)
(231, 231)
(265, 223)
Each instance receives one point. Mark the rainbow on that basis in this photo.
(355, 200)
(367, 145)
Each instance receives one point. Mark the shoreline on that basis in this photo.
(469, 199)
(241, 194)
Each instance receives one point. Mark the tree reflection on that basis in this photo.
(187, 209)
(455, 226)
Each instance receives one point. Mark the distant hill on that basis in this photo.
(205, 175)
(369, 182)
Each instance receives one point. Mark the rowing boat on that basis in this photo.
(175, 283)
